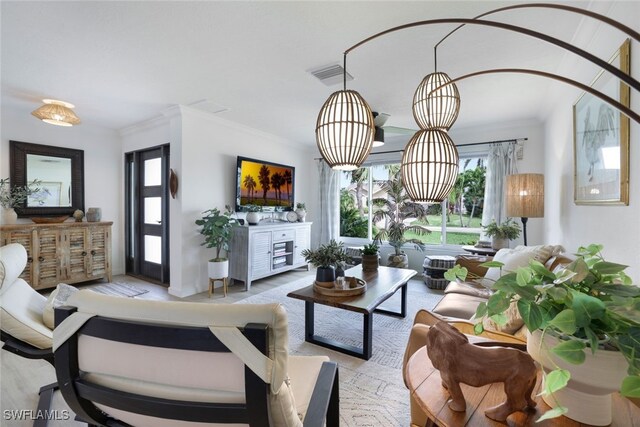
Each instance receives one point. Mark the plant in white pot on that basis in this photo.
(301, 211)
(217, 229)
(252, 214)
(501, 234)
(397, 213)
(584, 329)
(12, 196)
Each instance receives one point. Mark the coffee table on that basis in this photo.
(380, 286)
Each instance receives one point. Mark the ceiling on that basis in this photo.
(121, 63)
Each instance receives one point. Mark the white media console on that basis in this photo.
(259, 251)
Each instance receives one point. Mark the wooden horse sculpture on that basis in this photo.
(462, 362)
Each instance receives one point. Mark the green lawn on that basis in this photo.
(434, 237)
(454, 221)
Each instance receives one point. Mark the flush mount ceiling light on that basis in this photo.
(57, 113)
(429, 166)
(345, 129)
(378, 139)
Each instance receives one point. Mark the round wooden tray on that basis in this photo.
(356, 287)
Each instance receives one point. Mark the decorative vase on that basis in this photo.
(325, 276)
(301, 214)
(588, 394)
(499, 243)
(9, 216)
(398, 261)
(370, 262)
(253, 218)
(218, 269)
(94, 214)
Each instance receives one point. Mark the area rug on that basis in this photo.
(118, 289)
(372, 392)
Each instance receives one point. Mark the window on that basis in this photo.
(456, 221)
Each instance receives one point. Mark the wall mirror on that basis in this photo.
(61, 171)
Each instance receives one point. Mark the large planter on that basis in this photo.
(325, 276)
(9, 216)
(588, 394)
(498, 243)
(398, 261)
(218, 269)
(370, 262)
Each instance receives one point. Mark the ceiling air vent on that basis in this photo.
(330, 75)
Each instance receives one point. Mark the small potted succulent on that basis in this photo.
(217, 229)
(301, 211)
(370, 257)
(326, 258)
(501, 234)
(252, 214)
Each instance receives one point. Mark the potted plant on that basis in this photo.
(15, 196)
(252, 214)
(301, 210)
(584, 328)
(501, 234)
(398, 212)
(370, 257)
(216, 229)
(326, 258)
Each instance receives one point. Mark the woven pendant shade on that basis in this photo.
(57, 113)
(525, 195)
(440, 109)
(429, 166)
(345, 130)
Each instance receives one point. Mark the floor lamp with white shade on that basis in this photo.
(525, 197)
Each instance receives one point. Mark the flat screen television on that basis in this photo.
(266, 184)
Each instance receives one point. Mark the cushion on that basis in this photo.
(58, 298)
(303, 373)
(468, 288)
(517, 257)
(458, 305)
(514, 321)
(13, 259)
(21, 315)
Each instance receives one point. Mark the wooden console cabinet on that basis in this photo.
(259, 251)
(67, 252)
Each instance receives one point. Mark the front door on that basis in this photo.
(147, 213)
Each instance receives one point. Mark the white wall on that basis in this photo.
(204, 149)
(616, 227)
(102, 164)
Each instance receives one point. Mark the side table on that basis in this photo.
(479, 251)
(426, 389)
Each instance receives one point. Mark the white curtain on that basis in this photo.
(329, 215)
(501, 162)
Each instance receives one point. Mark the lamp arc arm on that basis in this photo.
(625, 29)
(580, 52)
(617, 105)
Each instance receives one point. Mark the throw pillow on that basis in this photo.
(58, 298)
(518, 257)
(514, 321)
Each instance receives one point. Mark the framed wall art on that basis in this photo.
(601, 140)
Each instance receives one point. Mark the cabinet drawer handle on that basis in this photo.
(93, 252)
(84, 253)
(30, 259)
(40, 258)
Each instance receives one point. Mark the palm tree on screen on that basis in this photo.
(287, 180)
(250, 184)
(263, 178)
(276, 182)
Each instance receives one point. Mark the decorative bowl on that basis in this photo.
(49, 220)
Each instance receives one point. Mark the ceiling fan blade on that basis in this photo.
(401, 131)
(380, 119)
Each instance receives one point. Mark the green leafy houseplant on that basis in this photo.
(326, 256)
(300, 206)
(14, 196)
(253, 208)
(370, 249)
(507, 230)
(397, 209)
(216, 229)
(585, 304)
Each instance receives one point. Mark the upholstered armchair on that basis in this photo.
(158, 363)
(21, 317)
